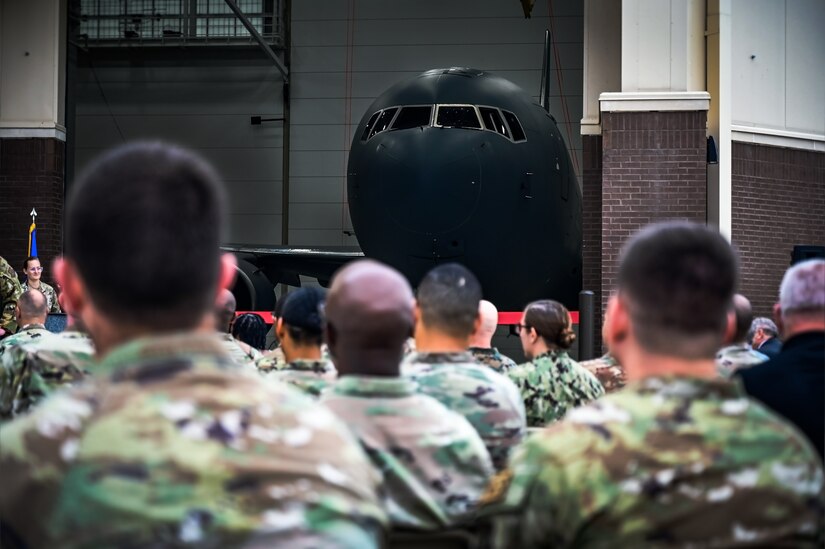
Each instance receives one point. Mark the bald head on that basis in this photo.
(368, 317)
(225, 306)
(483, 336)
(32, 308)
(744, 317)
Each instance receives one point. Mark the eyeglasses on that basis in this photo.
(521, 327)
(35, 268)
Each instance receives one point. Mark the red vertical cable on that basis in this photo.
(560, 79)
(347, 106)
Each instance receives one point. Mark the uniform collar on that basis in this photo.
(32, 326)
(442, 358)
(146, 357)
(319, 366)
(687, 387)
(373, 386)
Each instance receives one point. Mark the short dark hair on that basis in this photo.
(302, 316)
(551, 320)
(448, 298)
(143, 226)
(28, 259)
(251, 329)
(679, 279)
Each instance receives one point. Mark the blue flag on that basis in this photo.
(33, 240)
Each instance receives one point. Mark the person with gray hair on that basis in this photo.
(763, 336)
(793, 383)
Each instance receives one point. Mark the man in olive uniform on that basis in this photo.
(34, 273)
(434, 464)
(34, 362)
(300, 331)
(678, 458)
(481, 341)
(170, 443)
(446, 313)
(739, 355)
(10, 290)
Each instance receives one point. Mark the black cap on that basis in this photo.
(302, 309)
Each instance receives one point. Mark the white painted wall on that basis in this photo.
(32, 57)
(778, 50)
(345, 53)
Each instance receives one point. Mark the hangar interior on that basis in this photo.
(637, 86)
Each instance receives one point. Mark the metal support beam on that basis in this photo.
(258, 38)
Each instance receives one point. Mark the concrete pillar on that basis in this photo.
(719, 76)
(32, 126)
(654, 130)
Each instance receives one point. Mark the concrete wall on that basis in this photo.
(778, 48)
(344, 55)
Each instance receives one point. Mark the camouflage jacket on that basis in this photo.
(38, 362)
(48, 291)
(666, 462)
(489, 401)
(172, 444)
(551, 384)
(607, 370)
(492, 358)
(434, 465)
(737, 357)
(10, 291)
(310, 376)
(239, 351)
(30, 333)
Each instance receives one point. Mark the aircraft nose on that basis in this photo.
(429, 176)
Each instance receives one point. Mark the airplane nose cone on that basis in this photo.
(415, 180)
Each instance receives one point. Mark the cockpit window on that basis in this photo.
(412, 117)
(493, 122)
(370, 124)
(457, 116)
(383, 121)
(515, 126)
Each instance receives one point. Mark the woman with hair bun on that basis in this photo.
(551, 383)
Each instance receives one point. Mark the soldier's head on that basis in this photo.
(369, 316)
(545, 325)
(675, 286)
(762, 329)
(447, 304)
(251, 329)
(743, 313)
(801, 306)
(32, 308)
(300, 326)
(485, 328)
(225, 306)
(32, 268)
(143, 225)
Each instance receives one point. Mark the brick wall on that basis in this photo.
(654, 168)
(31, 176)
(778, 198)
(592, 226)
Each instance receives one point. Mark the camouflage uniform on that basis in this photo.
(170, 444)
(271, 359)
(551, 384)
(29, 333)
(607, 370)
(240, 352)
(492, 358)
(36, 363)
(737, 357)
(310, 376)
(10, 291)
(666, 462)
(434, 464)
(489, 401)
(48, 291)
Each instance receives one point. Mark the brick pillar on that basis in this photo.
(31, 176)
(778, 200)
(654, 168)
(592, 227)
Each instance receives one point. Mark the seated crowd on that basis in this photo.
(387, 418)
